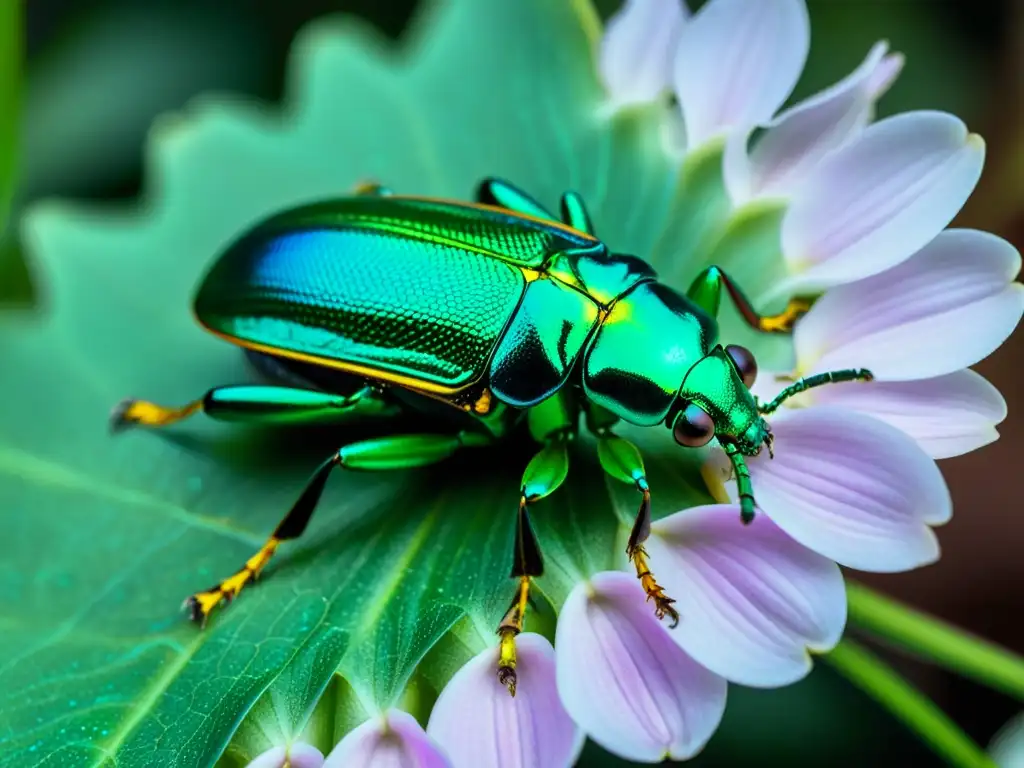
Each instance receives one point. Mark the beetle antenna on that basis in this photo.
(820, 379)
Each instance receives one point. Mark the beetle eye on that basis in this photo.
(694, 427)
(745, 363)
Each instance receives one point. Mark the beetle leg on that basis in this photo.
(620, 459)
(527, 564)
(543, 476)
(818, 380)
(258, 403)
(575, 213)
(706, 292)
(505, 195)
(551, 422)
(385, 453)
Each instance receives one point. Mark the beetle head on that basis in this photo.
(715, 401)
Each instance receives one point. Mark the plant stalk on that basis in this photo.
(907, 704)
(935, 640)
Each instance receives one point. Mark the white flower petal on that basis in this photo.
(751, 600)
(853, 488)
(948, 416)
(873, 202)
(479, 725)
(395, 740)
(885, 74)
(798, 139)
(623, 679)
(638, 48)
(947, 307)
(737, 62)
(1007, 746)
(298, 755)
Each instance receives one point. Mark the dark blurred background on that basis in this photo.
(99, 71)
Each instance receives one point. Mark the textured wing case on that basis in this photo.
(519, 240)
(369, 298)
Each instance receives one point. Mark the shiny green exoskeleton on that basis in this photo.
(378, 305)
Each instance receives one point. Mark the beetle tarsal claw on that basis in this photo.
(131, 411)
(662, 602)
(510, 626)
(786, 319)
(507, 659)
(119, 418)
(201, 604)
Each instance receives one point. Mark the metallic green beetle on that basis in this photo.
(382, 305)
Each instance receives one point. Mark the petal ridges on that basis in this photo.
(752, 601)
(756, 50)
(479, 725)
(624, 680)
(872, 203)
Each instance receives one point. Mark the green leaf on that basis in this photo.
(106, 535)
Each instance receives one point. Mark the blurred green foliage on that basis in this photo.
(115, 65)
(11, 38)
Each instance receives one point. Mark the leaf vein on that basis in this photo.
(39, 471)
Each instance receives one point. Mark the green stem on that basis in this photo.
(935, 640)
(906, 703)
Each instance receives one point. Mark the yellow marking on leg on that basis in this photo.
(483, 403)
(507, 660)
(150, 414)
(201, 604)
(662, 602)
(511, 625)
(784, 321)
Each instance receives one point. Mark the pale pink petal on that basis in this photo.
(799, 138)
(638, 48)
(885, 74)
(872, 203)
(625, 682)
(948, 416)
(853, 488)
(298, 755)
(394, 740)
(737, 62)
(478, 724)
(947, 307)
(752, 602)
